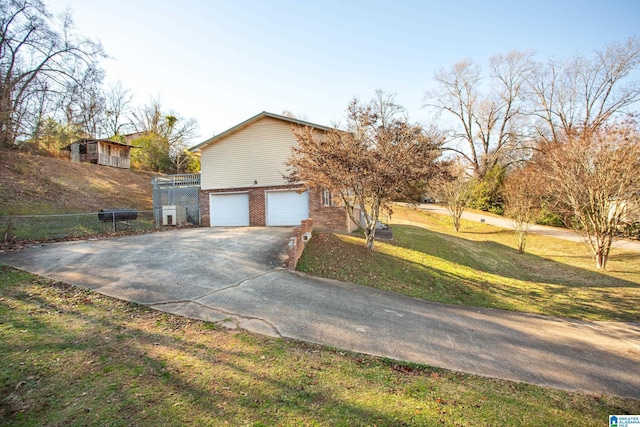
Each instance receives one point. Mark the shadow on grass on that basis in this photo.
(453, 270)
(135, 369)
(495, 258)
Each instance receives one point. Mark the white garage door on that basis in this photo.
(229, 209)
(287, 207)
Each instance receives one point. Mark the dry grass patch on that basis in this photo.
(35, 184)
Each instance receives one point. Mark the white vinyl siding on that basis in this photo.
(255, 155)
(287, 207)
(229, 209)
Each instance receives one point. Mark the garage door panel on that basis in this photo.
(285, 208)
(229, 210)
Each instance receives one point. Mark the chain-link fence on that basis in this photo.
(176, 192)
(52, 227)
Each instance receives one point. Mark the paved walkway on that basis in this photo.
(233, 276)
(502, 222)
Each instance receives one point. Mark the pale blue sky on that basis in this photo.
(222, 62)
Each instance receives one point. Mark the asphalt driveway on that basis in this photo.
(234, 276)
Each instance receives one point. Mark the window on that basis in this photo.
(326, 198)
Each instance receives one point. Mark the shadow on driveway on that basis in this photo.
(234, 276)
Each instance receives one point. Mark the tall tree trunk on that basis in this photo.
(601, 250)
(370, 235)
(455, 211)
(522, 239)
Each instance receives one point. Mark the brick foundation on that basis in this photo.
(296, 244)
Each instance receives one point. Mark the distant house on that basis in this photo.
(243, 180)
(130, 137)
(100, 152)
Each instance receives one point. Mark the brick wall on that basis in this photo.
(203, 201)
(328, 217)
(257, 214)
(296, 244)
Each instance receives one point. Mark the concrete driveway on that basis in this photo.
(234, 276)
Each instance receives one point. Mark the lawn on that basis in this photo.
(479, 266)
(74, 357)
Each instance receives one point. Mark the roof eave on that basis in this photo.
(198, 148)
(106, 141)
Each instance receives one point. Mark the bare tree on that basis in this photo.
(164, 138)
(368, 162)
(453, 189)
(81, 103)
(596, 175)
(581, 94)
(151, 118)
(42, 103)
(522, 192)
(117, 100)
(36, 51)
(489, 127)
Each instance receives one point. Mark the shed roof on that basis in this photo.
(106, 141)
(236, 128)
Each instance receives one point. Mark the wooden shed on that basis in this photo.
(100, 152)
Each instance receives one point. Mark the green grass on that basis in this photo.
(73, 357)
(479, 266)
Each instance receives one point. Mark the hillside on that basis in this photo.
(33, 184)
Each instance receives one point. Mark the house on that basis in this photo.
(130, 137)
(100, 152)
(243, 180)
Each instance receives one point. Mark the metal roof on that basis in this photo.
(106, 141)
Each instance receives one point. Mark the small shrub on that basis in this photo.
(549, 218)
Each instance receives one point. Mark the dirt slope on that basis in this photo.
(32, 184)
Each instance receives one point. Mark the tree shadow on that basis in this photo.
(139, 368)
(453, 270)
(495, 258)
